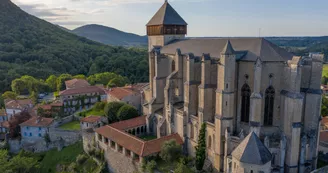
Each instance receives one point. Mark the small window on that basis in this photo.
(39, 134)
(27, 128)
(30, 134)
(39, 128)
(226, 86)
(25, 134)
(251, 171)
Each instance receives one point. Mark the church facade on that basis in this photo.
(260, 103)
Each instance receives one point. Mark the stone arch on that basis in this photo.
(138, 130)
(142, 129)
(269, 105)
(245, 102)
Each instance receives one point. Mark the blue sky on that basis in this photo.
(205, 17)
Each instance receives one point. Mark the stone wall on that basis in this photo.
(14, 145)
(119, 163)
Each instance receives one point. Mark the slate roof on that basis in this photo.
(252, 48)
(252, 151)
(166, 15)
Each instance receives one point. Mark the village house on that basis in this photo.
(80, 95)
(126, 94)
(15, 106)
(35, 128)
(49, 110)
(122, 144)
(3, 124)
(92, 122)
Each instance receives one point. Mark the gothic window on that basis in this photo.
(269, 102)
(245, 102)
(173, 66)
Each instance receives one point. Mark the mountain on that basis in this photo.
(31, 46)
(110, 36)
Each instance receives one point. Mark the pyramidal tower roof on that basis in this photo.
(228, 50)
(166, 15)
(251, 150)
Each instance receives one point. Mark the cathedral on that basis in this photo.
(261, 105)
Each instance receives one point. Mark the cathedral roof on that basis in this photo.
(166, 15)
(249, 48)
(251, 150)
(228, 50)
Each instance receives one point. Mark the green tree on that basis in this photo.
(18, 86)
(79, 76)
(201, 148)
(40, 112)
(118, 81)
(61, 81)
(9, 95)
(170, 151)
(111, 110)
(324, 106)
(52, 82)
(182, 167)
(2, 102)
(150, 166)
(99, 106)
(34, 96)
(18, 163)
(127, 112)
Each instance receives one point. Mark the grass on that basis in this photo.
(73, 125)
(325, 70)
(66, 156)
(92, 112)
(148, 138)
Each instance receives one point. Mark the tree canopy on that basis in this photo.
(170, 151)
(127, 112)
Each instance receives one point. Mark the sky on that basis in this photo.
(205, 18)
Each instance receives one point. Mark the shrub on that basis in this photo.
(99, 106)
(150, 166)
(91, 152)
(201, 148)
(111, 110)
(170, 151)
(81, 158)
(182, 167)
(127, 112)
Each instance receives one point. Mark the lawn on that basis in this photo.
(92, 112)
(325, 70)
(66, 156)
(148, 137)
(73, 125)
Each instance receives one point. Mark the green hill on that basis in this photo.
(111, 36)
(31, 46)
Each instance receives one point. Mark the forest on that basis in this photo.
(34, 47)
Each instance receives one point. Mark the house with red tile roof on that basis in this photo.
(92, 122)
(129, 94)
(124, 138)
(79, 95)
(15, 106)
(49, 110)
(35, 128)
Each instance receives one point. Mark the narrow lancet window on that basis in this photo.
(245, 102)
(269, 105)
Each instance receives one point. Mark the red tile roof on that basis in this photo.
(323, 136)
(91, 119)
(120, 92)
(133, 143)
(18, 104)
(42, 122)
(131, 123)
(76, 83)
(84, 90)
(324, 121)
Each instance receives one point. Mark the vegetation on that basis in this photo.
(111, 110)
(201, 148)
(9, 95)
(19, 163)
(170, 151)
(148, 137)
(127, 112)
(34, 47)
(182, 167)
(73, 125)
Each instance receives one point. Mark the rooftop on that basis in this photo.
(131, 123)
(38, 122)
(251, 150)
(120, 92)
(247, 49)
(91, 119)
(18, 104)
(166, 15)
(84, 90)
(76, 83)
(323, 136)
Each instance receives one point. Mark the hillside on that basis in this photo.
(110, 36)
(31, 46)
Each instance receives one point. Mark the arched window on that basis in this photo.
(213, 143)
(269, 103)
(245, 102)
(191, 131)
(209, 145)
(173, 66)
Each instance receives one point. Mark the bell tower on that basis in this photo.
(166, 25)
